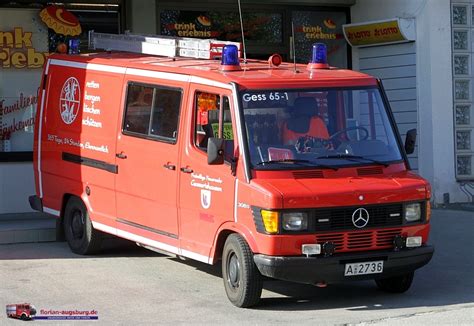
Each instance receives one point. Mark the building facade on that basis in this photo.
(428, 78)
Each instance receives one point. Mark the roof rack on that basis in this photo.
(168, 46)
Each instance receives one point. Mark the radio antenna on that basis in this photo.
(242, 30)
(293, 44)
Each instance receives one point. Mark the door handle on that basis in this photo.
(121, 155)
(187, 170)
(169, 166)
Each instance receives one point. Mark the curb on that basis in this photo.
(27, 228)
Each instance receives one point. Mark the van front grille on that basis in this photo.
(360, 240)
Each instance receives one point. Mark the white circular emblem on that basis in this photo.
(70, 100)
(361, 197)
(360, 218)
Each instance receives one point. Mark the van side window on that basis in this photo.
(152, 111)
(213, 119)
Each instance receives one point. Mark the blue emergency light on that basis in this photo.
(319, 59)
(230, 57)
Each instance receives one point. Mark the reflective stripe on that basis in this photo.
(240, 132)
(51, 211)
(88, 66)
(140, 72)
(157, 74)
(236, 198)
(151, 243)
(40, 129)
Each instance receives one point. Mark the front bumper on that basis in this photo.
(312, 270)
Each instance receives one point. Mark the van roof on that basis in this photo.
(254, 74)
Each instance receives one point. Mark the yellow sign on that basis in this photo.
(17, 51)
(381, 32)
(227, 132)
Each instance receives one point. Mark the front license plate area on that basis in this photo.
(364, 268)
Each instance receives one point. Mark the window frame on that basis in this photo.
(149, 136)
(221, 115)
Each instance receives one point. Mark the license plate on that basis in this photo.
(364, 268)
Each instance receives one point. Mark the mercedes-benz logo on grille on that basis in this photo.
(360, 218)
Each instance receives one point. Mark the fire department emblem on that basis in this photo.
(70, 100)
(205, 198)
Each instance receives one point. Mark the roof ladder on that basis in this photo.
(167, 46)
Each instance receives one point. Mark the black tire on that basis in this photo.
(78, 229)
(242, 280)
(24, 317)
(396, 284)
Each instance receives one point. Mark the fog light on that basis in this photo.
(399, 242)
(311, 249)
(328, 248)
(413, 242)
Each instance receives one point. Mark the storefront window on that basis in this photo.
(25, 43)
(320, 27)
(23, 52)
(259, 27)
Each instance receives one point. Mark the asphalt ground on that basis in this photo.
(129, 285)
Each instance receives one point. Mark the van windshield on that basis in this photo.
(330, 128)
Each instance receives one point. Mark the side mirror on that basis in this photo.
(410, 141)
(215, 151)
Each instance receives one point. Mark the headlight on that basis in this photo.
(295, 221)
(413, 212)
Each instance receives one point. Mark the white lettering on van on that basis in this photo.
(93, 98)
(207, 186)
(91, 110)
(91, 123)
(204, 182)
(102, 148)
(92, 84)
(76, 143)
(206, 178)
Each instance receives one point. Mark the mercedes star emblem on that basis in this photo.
(360, 218)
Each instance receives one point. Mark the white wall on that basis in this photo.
(434, 85)
(17, 183)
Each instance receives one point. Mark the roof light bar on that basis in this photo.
(230, 58)
(319, 59)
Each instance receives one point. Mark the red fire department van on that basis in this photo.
(24, 311)
(293, 172)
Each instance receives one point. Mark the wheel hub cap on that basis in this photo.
(77, 225)
(234, 271)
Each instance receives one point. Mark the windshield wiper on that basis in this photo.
(354, 158)
(296, 161)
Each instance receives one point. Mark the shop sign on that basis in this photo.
(259, 27)
(17, 50)
(319, 27)
(390, 31)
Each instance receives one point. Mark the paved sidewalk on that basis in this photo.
(27, 228)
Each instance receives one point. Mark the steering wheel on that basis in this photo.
(340, 132)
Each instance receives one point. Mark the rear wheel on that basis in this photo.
(396, 284)
(242, 280)
(78, 229)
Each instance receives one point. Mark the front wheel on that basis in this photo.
(82, 238)
(242, 280)
(396, 284)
